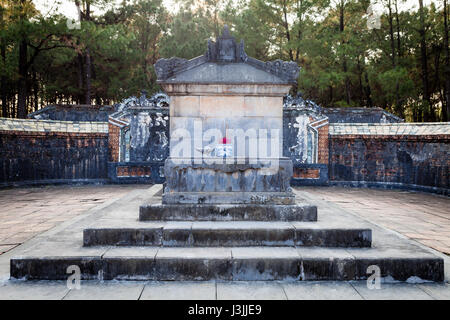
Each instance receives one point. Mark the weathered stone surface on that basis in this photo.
(33, 290)
(225, 61)
(96, 290)
(326, 264)
(389, 291)
(122, 237)
(246, 263)
(54, 268)
(177, 234)
(265, 264)
(402, 269)
(200, 212)
(247, 290)
(193, 264)
(333, 237)
(320, 291)
(229, 198)
(130, 263)
(226, 234)
(250, 177)
(169, 290)
(409, 160)
(435, 290)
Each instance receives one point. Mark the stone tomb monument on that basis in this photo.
(226, 138)
(227, 211)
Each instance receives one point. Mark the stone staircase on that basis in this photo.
(246, 247)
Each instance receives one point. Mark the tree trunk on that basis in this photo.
(446, 110)
(87, 72)
(286, 27)
(80, 74)
(398, 107)
(3, 82)
(22, 83)
(397, 21)
(344, 64)
(424, 62)
(88, 66)
(35, 91)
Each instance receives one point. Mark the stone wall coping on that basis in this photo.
(390, 129)
(33, 125)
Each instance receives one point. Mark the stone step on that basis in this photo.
(244, 263)
(228, 212)
(226, 234)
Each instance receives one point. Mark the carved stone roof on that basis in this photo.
(225, 61)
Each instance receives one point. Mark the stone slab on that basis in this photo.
(439, 291)
(186, 290)
(33, 290)
(244, 212)
(228, 198)
(401, 265)
(95, 290)
(326, 264)
(389, 291)
(240, 263)
(221, 233)
(254, 290)
(320, 291)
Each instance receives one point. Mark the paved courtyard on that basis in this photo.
(212, 290)
(27, 212)
(420, 216)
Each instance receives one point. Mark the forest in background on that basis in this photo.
(401, 64)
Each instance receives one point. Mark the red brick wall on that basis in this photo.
(408, 159)
(34, 156)
(133, 171)
(113, 142)
(323, 147)
(306, 173)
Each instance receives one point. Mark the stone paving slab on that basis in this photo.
(109, 290)
(436, 291)
(420, 216)
(33, 290)
(246, 290)
(392, 292)
(175, 290)
(321, 291)
(213, 290)
(27, 212)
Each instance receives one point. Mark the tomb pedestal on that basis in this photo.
(226, 96)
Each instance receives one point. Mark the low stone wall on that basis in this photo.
(395, 155)
(39, 152)
(405, 155)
